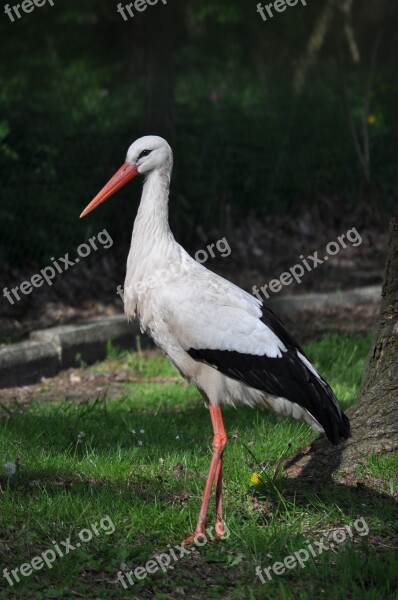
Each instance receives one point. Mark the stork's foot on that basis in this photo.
(202, 537)
(198, 536)
(220, 532)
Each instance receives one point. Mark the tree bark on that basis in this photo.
(374, 416)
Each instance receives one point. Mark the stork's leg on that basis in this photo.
(219, 520)
(219, 426)
(215, 474)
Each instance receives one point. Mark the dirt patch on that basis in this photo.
(106, 380)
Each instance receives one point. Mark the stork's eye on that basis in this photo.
(144, 153)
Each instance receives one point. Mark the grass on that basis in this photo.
(142, 458)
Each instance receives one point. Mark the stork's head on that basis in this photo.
(147, 154)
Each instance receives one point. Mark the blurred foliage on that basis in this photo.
(78, 85)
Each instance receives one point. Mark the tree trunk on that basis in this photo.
(374, 416)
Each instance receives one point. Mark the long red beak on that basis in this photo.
(120, 178)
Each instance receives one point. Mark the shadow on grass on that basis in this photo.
(312, 475)
(107, 431)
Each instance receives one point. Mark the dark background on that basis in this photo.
(284, 134)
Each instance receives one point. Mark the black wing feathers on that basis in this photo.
(287, 377)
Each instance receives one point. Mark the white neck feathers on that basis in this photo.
(153, 246)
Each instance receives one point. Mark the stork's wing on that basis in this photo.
(230, 331)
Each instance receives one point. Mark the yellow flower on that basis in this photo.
(372, 119)
(256, 478)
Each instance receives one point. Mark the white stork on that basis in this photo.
(219, 337)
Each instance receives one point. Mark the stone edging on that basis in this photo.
(51, 350)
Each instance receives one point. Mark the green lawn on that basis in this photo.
(141, 460)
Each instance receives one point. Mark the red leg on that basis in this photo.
(218, 481)
(219, 425)
(215, 474)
